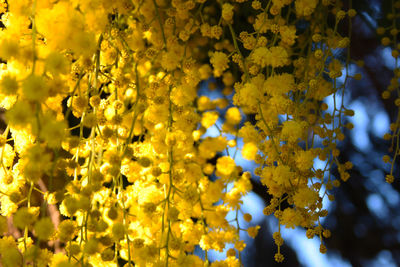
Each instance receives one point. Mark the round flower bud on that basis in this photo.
(326, 233)
(118, 231)
(44, 228)
(95, 101)
(310, 233)
(380, 30)
(386, 94)
(340, 14)
(91, 246)
(11, 256)
(389, 178)
(8, 85)
(173, 214)
(386, 158)
(352, 13)
(24, 217)
(66, 230)
(74, 249)
(156, 171)
(144, 162)
(107, 254)
(138, 243)
(357, 76)
(247, 217)
(323, 249)
(35, 88)
(279, 257)
(112, 213)
(385, 41)
(71, 205)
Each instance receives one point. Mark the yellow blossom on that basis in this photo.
(305, 7)
(253, 231)
(233, 116)
(249, 151)
(305, 197)
(225, 165)
(209, 118)
(219, 61)
(227, 12)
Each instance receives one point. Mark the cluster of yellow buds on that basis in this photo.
(389, 39)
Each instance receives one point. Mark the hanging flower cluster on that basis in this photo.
(389, 39)
(105, 160)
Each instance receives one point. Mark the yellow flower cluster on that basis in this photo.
(389, 38)
(284, 88)
(104, 159)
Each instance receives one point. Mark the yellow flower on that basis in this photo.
(305, 7)
(35, 88)
(293, 130)
(278, 56)
(253, 231)
(8, 85)
(20, 115)
(7, 153)
(233, 116)
(25, 216)
(9, 49)
(247, 97)
(118, 231)
(288, 34)
(279, 84)
(53, 132)
(11, 256)
(290, 218)
(66, 230)
(56, 63)
(227, 12)
(305, 197)
(220, 61)
(283, 175)
(209, 118)
(210, 146)
(44, 228)
(183, 95)
(261, 56)
(249, 133)
(60, 260)
(204, 103)
(304, 160)
(249, 151)
(169, 61)
(225, 165)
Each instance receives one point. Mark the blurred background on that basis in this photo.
(365, 217)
